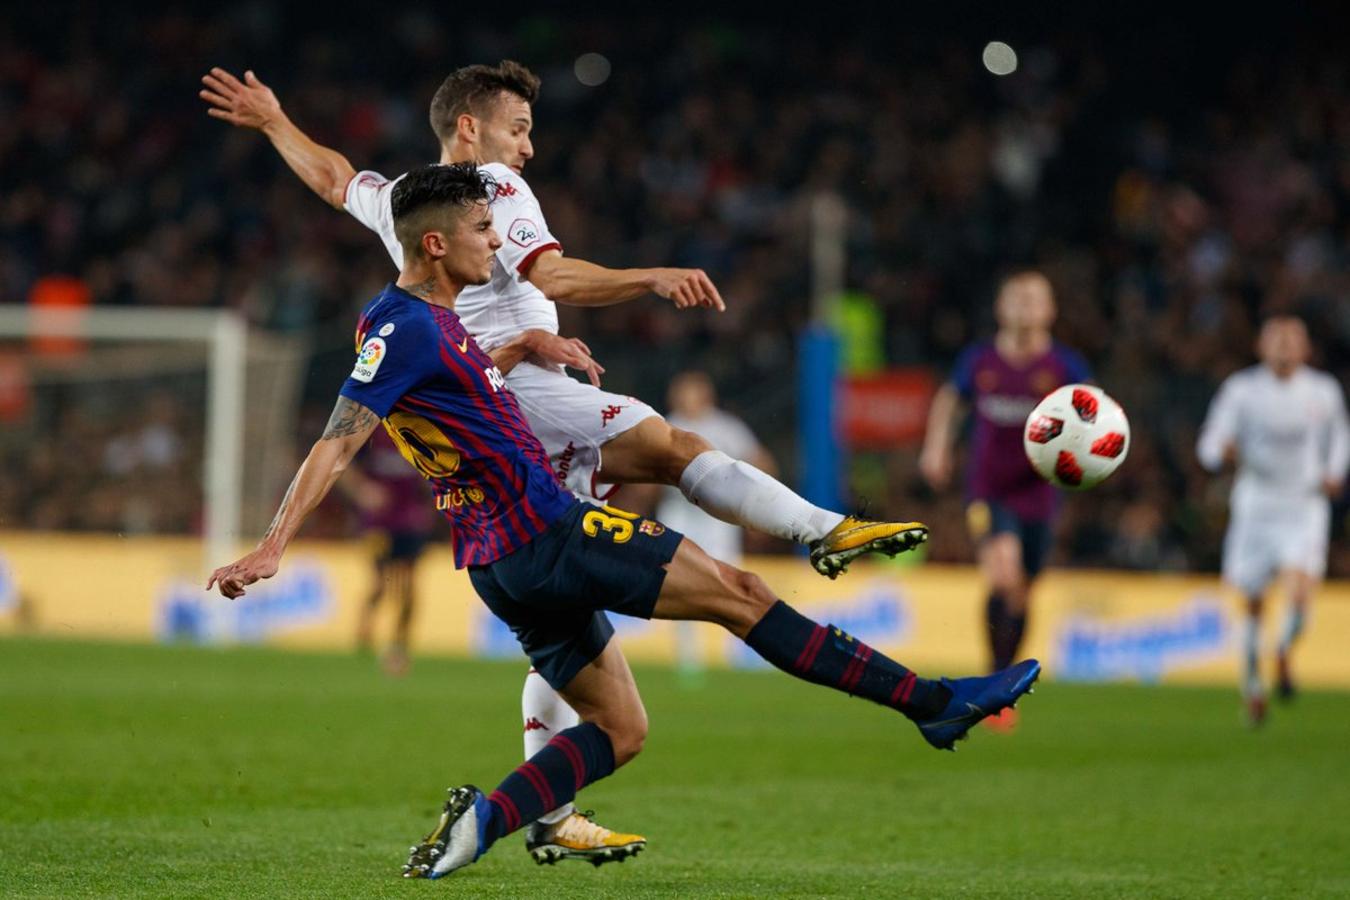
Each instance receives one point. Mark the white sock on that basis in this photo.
(1251, 649)
(545, 713)
(736, 492)
(1293, 627)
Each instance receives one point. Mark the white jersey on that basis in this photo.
(721, 540)
(498, 311)
(1291, 434)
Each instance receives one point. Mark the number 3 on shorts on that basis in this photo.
(617, 523)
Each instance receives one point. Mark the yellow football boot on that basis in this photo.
(577, 837)
(853, 537)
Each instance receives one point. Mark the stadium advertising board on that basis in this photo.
(1093, 625)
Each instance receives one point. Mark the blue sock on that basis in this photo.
(825, 655)
(573, 759)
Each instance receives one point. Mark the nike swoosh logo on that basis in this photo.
(973, 711)
(463, 345)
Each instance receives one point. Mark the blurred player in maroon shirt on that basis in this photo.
(1010, 509)
(393, 500)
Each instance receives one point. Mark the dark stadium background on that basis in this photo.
(1177, 173)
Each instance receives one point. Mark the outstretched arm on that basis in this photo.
(348, 429)
(251, 104)
(576, 282)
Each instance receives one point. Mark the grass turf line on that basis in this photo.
(174, 771)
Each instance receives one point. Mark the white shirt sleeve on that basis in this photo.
(1338, 440)
(369, 200)
(1220, 428)
(519, 221)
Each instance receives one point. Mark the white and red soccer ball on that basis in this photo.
(1076, 437)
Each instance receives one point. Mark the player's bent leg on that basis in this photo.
(472, 821)
(737, 492)
(699, 587)
(621, 714)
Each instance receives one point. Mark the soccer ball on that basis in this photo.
(1076, 437)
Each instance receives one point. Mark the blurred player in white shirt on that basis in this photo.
(483, 114)
(693, 407)
(1284, 425)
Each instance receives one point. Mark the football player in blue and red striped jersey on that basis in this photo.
(545, 563)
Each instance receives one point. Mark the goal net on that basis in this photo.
(144, 421)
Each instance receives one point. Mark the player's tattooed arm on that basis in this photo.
(348, 418)
(348, 429)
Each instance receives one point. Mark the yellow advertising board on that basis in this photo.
(1085, 625)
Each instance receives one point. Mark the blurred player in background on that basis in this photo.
(693, 407)
(483, 114)
(396, 510)
(1010, 509)
(1284, 425)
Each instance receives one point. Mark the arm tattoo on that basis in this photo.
(348, 417)
(423, 289)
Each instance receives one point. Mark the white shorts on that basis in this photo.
(1262, 542)
(573, 420)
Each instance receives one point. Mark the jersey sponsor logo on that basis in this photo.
(523, 232)
(608, 414)
(495, 378)
(386, 329)
(368, 360)
(506, 189)
(459, 498)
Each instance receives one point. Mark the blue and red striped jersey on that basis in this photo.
(450, 413)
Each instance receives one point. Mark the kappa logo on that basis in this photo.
(533, 724)
(506, 189)
(523, 232)
(608, 414)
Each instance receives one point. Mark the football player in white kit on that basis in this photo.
(483, 114)
(1284, 425)
(693, 407)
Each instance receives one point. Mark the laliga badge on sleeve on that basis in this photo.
(368, 362)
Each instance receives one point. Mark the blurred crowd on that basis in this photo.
(1172, 194)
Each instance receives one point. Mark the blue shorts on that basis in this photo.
(986, 518)
(553, 591)
(402, 546)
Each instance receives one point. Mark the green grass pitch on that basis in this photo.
(162, 771)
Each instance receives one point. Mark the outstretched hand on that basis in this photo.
(551, 349)
(687, 288)
(248, 103)
(232, 579)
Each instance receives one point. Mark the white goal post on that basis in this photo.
(225, 335)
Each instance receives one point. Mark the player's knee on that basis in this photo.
(681, 450)
(627, 736)
(752, 598)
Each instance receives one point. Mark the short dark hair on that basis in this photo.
(426, 193)
(473, 89)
